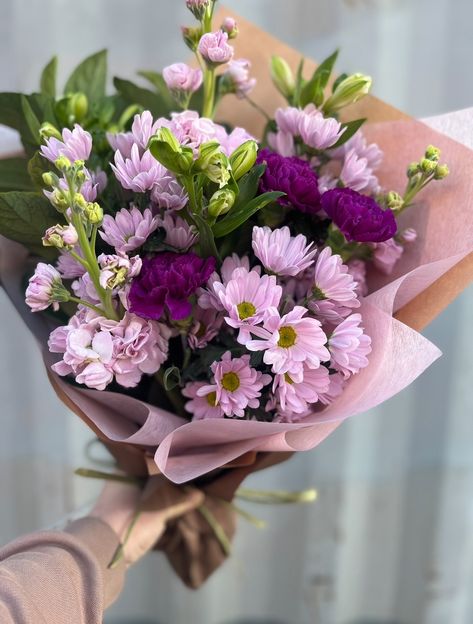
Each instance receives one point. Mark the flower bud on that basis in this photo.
(63, 163)
(198, 8)
(77, 106)
(214, 48)
(80, 201)
(394, 201)
(412, 170)
(348, 91)
(81, 177)
(213, 163)
(165, 147)
(221, 202)
(428, 166)
(441, 172)
(93, 213)
(47, 131)
(191, 37)
(58, 200)
(243, 158)
(60, 236)
(282, 77)
(432, 153)
(230, 27)
(50, 178)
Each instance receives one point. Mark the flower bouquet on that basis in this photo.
(211, 297)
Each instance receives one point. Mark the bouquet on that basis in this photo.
(211, 297)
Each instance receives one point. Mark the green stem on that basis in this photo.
(78, 259)
(120, 551)
(258, 108)
(174, 397)
(188, 183)
(106, 476)
(209, 93)
(88, 305)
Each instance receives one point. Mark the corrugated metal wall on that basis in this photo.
(390, 539)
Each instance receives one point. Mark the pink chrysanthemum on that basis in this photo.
(137, 173)
(349, 346)
(129, 229)
(333, 293)
(237, 385)
(357, 269)
(281, 253)
(386, 255)
(207, 296)
(201, 407)
(291, 341)
(205, 326)
(168, 193)
(317, 131)
(246, 298)
(179, 234)
(76, 144)
(335, 389)
(295, 393)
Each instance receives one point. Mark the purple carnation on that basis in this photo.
(359, 217)
(168, 279)
(292, 176)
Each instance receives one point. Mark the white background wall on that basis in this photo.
(390, 539)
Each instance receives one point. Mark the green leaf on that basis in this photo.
(171, 378)
(352, 128)
(313, 91)
(89, 77)
(24, 217)
(32, 122)
(48, 78)
(11, 113)
(158, 82)
(339, 80)
(325, 69)
(248, 186)
(134, 94)
(14, 175)
(235, 219)
(206, 238)
(37, 165)
(299, 83)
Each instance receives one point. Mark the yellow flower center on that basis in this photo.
(288, 379)
(245, 310)
(212, 399)
(287, 337)
(231, 382)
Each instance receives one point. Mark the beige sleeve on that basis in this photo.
(60, 577)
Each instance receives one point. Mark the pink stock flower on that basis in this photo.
(246, 298)
(296, 392)
(43, 288)
(207, 296)
(333, 292)
(237, 77)
(179, 234)
(83, 288)
(76, 144)
(117, 270)
(69, 267)
(137, 173)
(60, 236)
(349, 346)
(205, 326)
(386, 255)
(168, 193)
(281, 253)
(357, 269)
(180, 78)
(236, 384)
(129, 229)
(201, 407)
(214, 48)
(290, 341)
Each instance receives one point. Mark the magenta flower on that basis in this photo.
(236, 385)
(349, 346)
(205, 326)
(214, 48)
(386, 255)
(293, 394)
(290, 341)
(204, 406)
(246, 298)
(358, 217)
(44, 286)
(281, 253)
(167, 281)
(180, 78)
(333, 292)
(76, 144)
(292, 176)
(137, 173)
(179, 234)
(129, 229)
(237, 77)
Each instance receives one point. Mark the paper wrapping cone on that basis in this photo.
(189, 543)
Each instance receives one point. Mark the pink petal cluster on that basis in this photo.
(201, 406)
(207, 296)
(76, 144)
(237, 386)
(281, 253)
(386, 255)
(118, 269)
(237, 77)
(128, 229)
(214, 48)
(205, 326)
(333, 293)
(168, 193)
(180, 78)
(349, 346)
(139, 172)
(359, 161)
(41, 286)
(293, 394)
(179, 234)
(68, 266)
(96, 350)
(291, 341)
